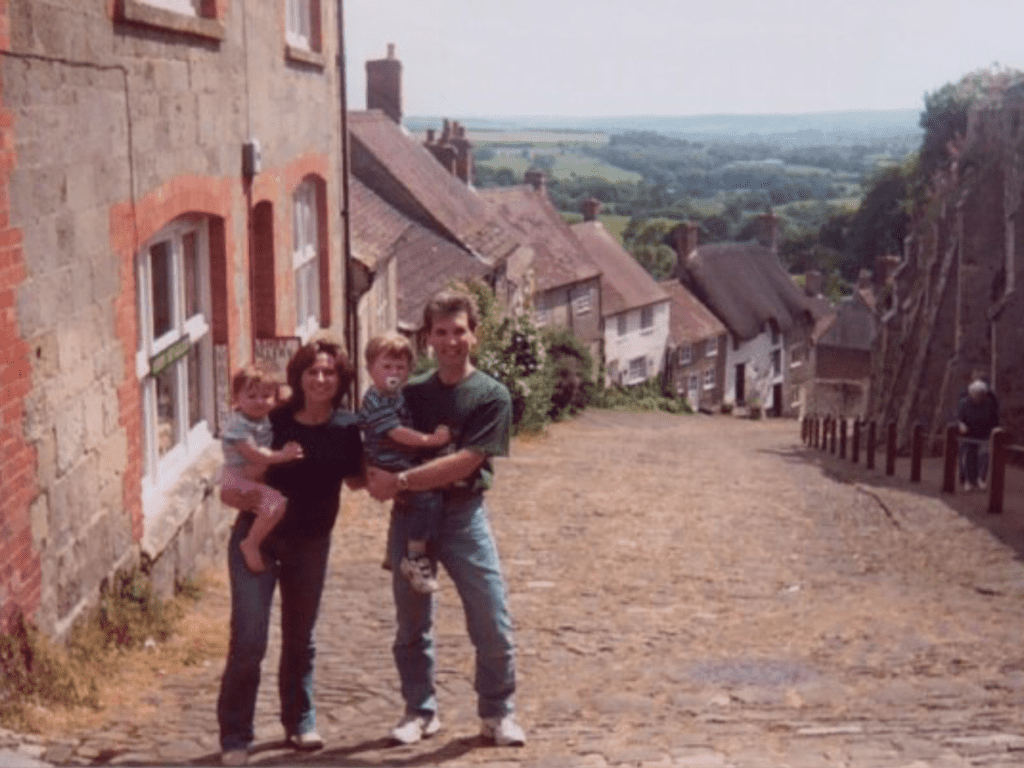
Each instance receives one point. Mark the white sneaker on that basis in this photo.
(503, 731)
(420, 573)
(982, 485)
(412, 727)
(968, 487)
(234, 757)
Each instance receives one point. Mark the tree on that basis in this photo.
(880, 223)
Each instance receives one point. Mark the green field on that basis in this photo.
(566, 164)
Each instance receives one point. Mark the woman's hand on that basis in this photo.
(381, 484)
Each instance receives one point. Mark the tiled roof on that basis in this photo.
(375, 226)
(689, 320)
(558, 257)
(851, 327)
(624, 283)
(746, 286)
(390, 161)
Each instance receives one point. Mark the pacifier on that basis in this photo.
(392, 382)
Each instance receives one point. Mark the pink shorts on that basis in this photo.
(270, 501)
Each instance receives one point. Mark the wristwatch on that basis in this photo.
(403, 481)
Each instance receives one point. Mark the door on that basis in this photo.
(741, 380)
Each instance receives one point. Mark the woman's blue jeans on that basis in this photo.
(466, 548)
(299, 566)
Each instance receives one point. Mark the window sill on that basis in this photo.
(141, 13)
(304, 56)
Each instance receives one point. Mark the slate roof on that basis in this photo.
(746, 286)
(624, 283)
(558, 257)
(852, 326)
(689, 320)
(390, 161)
(427, 262)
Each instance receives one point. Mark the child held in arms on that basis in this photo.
(391, 444)
(246, 440)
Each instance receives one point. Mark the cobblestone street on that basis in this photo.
(701, 591)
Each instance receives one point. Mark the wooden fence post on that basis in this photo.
(842, 438)
(949, 456)
(855, 449)
(916, 453)
(832, 427)
(890, 449)
(816, 432)
(870, 458)
(997, 470)
(803, 430)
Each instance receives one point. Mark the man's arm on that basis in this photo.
(436, 473)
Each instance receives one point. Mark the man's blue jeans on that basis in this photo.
(466, 548)
(299, 566)
(973, 460)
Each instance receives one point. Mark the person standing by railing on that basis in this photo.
(978, 415)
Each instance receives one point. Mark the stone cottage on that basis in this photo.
(161, 225)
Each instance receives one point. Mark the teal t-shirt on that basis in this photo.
(478, 411)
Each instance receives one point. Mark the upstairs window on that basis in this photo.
(622, 324)
(303, 24)
(646, 318)
(186, 7)
(581, 301)
(711, 347)
(685, 354)
(709, 378)
(306, 259)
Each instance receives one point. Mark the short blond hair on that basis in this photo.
(251, 376)
(390, 345)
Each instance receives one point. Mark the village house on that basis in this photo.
(161, 227)
(952, 305)
(766, 314)
(697, 343)
(565, 285)
(634, 308)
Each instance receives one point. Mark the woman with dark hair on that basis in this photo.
(295, 552)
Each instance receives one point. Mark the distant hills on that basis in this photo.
(816, 128)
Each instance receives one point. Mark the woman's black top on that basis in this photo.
(332, 451)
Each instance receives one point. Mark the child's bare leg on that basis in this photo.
(261, 528)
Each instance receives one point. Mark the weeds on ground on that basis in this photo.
(36, 672)
(642, 397)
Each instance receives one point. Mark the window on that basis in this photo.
(187, 7)
(306, 259)
(581, 301)
(622, 324)
(694, 382)
(774, 331)
(174, 360)
(796, 356)
(542, 314)
(685, 354)
(303, 28)
(711, 347)
(709, 378)
(638, 369)
(647, 317)
(776, 362)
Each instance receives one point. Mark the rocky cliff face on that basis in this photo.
(955, 302)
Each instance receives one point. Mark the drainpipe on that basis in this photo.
(351, 300)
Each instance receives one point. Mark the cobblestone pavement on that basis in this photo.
(699, 591)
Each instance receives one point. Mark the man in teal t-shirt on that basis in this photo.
(478, 411)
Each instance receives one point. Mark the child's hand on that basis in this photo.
(291, 451)
(442, 436)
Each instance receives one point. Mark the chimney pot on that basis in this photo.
(591, 206)
(391, 50)
(769, 230)
(536, 180)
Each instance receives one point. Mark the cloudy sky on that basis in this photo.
(676, 57)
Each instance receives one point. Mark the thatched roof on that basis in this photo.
(746, 286)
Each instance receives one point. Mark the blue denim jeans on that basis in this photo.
(973, 460)
(299, 566)
(466, 548)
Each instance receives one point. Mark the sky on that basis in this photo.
(464, 58)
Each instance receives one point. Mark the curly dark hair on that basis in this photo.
(304, 358)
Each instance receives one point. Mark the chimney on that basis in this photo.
(384, 85)
(463, 154)
(430, 137)
(591, 206)
(684, 239)
(769, 230)
(812, 282)
(536, 180)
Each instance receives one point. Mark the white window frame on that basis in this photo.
(184, 7)
(581, 303)
(299, 25)
(646, 318)
(306, 259)
(685, 354)
(711, 348)
(709, 378)
(796, 356)
(194, 333)
(638, 369)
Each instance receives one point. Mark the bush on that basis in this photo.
(649, 396)
(572, 366)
